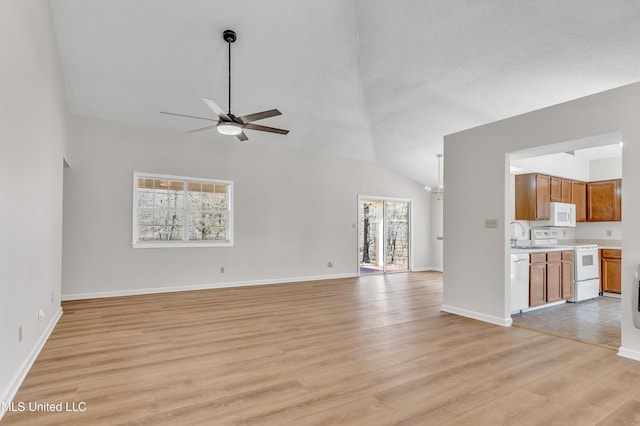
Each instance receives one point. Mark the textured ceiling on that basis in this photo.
(366, 79)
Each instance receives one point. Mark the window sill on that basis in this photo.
(181, 244)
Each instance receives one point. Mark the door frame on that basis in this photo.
(409, 221)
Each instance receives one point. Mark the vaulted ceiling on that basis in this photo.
(366, 79)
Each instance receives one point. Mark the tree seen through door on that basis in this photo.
(383, 236)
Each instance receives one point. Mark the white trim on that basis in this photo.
(165, 244)
(16, 381)
(380, 198)
(633, 354)
(546, 305)
(140, 291)
(503, 322)
(427, 269)
(612, 295)
(409, 201)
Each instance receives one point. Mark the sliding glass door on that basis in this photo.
(383, 235)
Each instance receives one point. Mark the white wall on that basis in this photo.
(599, 230)
(561, 165)
(484, 152)
(605, 168)
(32, 146)
(294, 212)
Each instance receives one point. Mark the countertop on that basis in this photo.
(566, 245)
(607, 244)
(538, 249)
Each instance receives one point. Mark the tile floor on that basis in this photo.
(593, 321)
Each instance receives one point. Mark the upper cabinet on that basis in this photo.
(579, 198)
(595, 201)
(533, 193)
(604, 201)
(560, 190)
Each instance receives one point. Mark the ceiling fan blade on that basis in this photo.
(265, 128)
(190, 116)
(258, 116)
(219, 111)
(242, 137)
(202, 129)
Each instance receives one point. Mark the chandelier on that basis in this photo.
(437, 193)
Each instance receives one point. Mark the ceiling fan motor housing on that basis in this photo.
(229, 36)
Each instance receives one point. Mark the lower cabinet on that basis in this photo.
(537, 281)
(550, 277)
(554, 276)
(611, 270)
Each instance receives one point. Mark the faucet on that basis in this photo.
(514, 240)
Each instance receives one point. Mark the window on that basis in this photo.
(175, 211)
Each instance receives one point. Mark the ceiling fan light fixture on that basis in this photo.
(229, 128)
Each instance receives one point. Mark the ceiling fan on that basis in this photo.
(227, 123)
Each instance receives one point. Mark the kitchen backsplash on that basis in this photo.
(582, 231)
(599, 231)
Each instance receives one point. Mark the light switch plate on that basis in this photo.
(491, 223)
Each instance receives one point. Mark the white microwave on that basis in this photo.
(560, 214)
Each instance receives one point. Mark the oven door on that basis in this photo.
(586, 264)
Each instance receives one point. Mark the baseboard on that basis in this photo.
(629, 353)
(546, 305)
(15, 383)
(140, 291)
(427, 269)
(613, 295)
(503, 322)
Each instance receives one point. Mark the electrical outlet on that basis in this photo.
(19, 334)
(608, 232)
(491, 223)
(330, 264)
(222, 269)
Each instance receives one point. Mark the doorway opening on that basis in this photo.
(383, 235)
(595, 160)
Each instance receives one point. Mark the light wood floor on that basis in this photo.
(369, 351)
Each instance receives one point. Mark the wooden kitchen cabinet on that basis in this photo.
(537, 279)
(533, 193)
(555, 189)
(604, 201)
(567, 275)
(560, 190)
(550, 277)
(599, 201)
(566, 191)
(579, 198)
(611, 270)
(554, 276)
(554, 281)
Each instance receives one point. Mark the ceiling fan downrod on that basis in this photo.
(229, 36)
